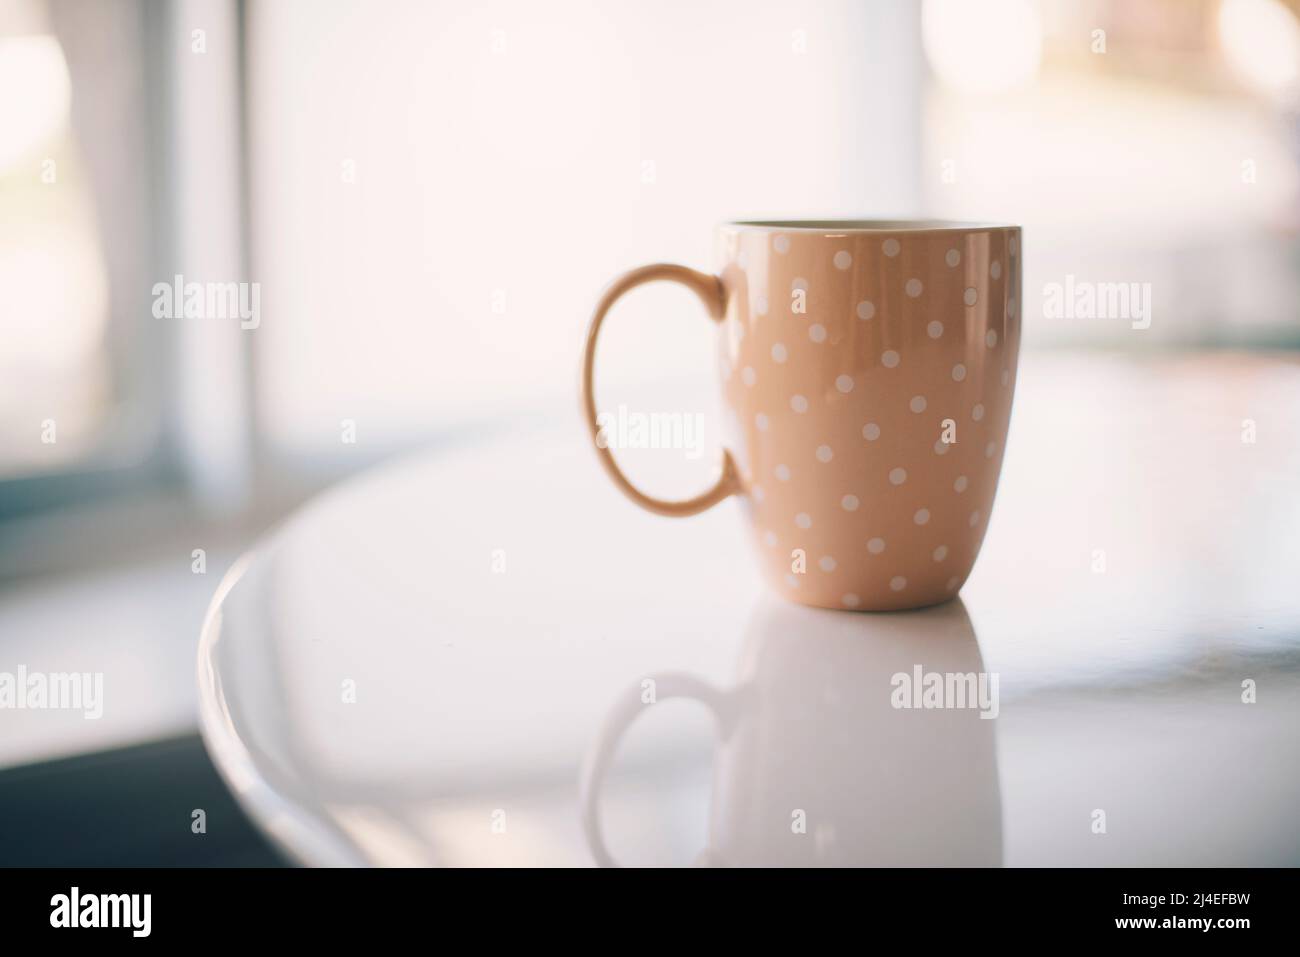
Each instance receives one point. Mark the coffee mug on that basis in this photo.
(867, 370)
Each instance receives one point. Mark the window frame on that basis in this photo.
(141, 452)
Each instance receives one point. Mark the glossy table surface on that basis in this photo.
(487, 656)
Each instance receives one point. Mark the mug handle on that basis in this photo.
(711, 292)
(667, 685)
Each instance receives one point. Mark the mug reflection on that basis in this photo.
(845, 740)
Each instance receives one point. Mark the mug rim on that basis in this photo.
(863, 226)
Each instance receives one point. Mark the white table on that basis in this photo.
(479, 693)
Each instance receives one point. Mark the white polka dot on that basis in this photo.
(974, 519)
(935, 329)
(799, 404)
(803, 520)
(977, 413)
(849, 503)
(995, 269)
(952, 583)
(871, 431)
(781, 244)
(970, 296)
(890, 247)
(827, 563)
(958, 372)
(779, 353)
(866, 309)
(917, 404)
(991, 338)
(756, 492)
(959, 486)
(792, 580)
(743, 260)
(940, 553)
(876, 546)
(760, 422)
(1011, 308)
(897, 583)
(799, 283)
(844, 383)
(748, 376)
(782, 473)
(889, 358)
(990, 449)
(922, 516)
(952, 258)
(843, 260)
(760, 304)
(940, 447)
(897, 476)
(913, 287)
(769, 539)
(817, 332)
(1011, 244)
(824, 453)
(851, 600)
(1006, 376)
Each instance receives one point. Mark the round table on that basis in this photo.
(486, 656)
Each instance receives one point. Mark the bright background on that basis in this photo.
(431, 195)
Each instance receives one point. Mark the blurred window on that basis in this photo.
(79, 389)
(1149, 141)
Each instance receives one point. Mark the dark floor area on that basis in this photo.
(130, 807)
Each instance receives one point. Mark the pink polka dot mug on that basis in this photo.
(868, 370)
